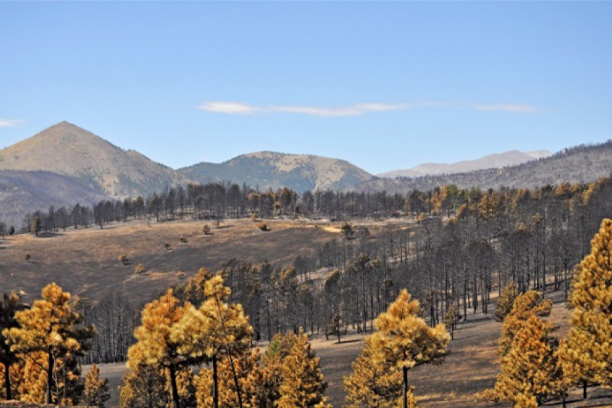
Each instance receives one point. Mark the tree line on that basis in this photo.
(459, 246)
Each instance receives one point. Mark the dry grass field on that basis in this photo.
(85, 261)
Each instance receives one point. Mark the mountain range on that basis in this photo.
(575, 165)
(492, 161)
(65, 164)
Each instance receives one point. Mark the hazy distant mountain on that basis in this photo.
(22, 192)
(492, 161)
(580, 164)
(69, 150)
(269, 169)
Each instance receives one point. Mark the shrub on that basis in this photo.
(167, 246)
(28, 257)
(263, 226)
(11, 230)
(206, 229)
(181, 275)
(183, 239)
(347, 229)
(140, 269)
(123, 259)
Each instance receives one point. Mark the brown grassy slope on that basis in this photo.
(84, 262)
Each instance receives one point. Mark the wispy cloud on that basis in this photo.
(239, 108)
(10, 122)
(507, 108)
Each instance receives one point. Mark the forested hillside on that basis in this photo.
(580, 164)
(22, 192)
(267, 170)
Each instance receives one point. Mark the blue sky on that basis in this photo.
(385, 85)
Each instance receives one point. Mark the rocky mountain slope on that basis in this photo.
(498, 160)
(22, 192)
(274, 170)
(580, 164)
(96, 163)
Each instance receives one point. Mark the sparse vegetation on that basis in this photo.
(140, 269)
(123, 259)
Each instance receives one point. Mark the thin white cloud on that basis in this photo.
(229, 107)
(507, 108)
(357, 109)
(10, 122)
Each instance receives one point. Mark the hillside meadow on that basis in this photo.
(85, 261)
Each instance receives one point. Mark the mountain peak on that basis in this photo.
(70, 150)
(268, 169)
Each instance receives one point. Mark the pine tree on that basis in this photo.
(250, 379)
(194, 291)
(144, 386)
(273, 360)
(374, 383)
(529, 370)
(15, 372)
(587, 354)
(406, 341)
(506, 300)
(158, 344)
(52, 328)
(526, 305)
(96, 388)
(214, 330)
(451, 317)
(35, 226)
(9, 306)
(34, 383)
(302, 385)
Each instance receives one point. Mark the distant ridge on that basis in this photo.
(498, 160)
(23, 192)
(96, 163)
(274, 170)
(580, 164)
